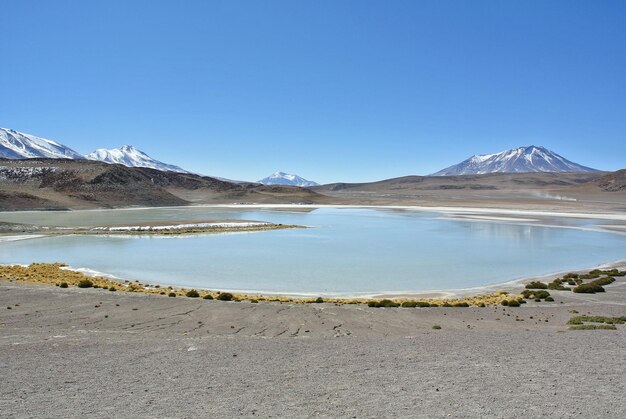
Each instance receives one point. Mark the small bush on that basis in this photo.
(85, 283)
(112, 289)
(171, 294)
(319, 300)
(593, 327)
(386, 303)
(549, 299)
(536, 294)
(192, 294)
(513, 303)
(63, 285)
(436, 327)
(96, 286)
(207, 297)
(536, 285)
(462, 304)
(591, 275)
(597, 319)
(225, 296)
(589, 288)
(415, 304)
(556, 285)
(505, 302)
(603, 281)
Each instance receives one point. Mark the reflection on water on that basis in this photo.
(350, 250)
(493, 229)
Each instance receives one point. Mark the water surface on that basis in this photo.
(349, 250)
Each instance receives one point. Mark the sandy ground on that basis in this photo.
(93, 353)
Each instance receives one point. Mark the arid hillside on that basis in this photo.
(600, 190)
(62, 184)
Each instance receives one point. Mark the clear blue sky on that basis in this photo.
(331, 90)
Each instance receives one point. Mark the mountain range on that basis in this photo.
(281, 178)
(18, 145)
(530, 159)
(516, 160)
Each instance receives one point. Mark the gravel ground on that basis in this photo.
(94, 353)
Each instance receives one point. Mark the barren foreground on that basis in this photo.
(84, 352)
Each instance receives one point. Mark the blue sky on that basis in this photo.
(331, 90)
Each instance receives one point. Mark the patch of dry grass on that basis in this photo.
(58, 273)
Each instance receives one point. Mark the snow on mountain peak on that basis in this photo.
(282, 178)
(131, 156)
(18, 145)
(516, 160)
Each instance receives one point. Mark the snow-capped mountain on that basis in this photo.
(515, 160)
(131, 157)
(17, 145)
(280, 178)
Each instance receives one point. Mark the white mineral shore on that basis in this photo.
(183, 226)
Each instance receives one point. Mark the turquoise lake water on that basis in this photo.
(349, 250)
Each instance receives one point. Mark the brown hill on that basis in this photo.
(548, 191)
(613, 182)
(60, 184)
(492, 181)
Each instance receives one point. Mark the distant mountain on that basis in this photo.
(131, 157)
(515, 160)
(281, 178)
(17, 145)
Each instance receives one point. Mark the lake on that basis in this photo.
(349, 250)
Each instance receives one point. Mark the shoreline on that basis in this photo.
(421, 208)
(152, 229)
(500, 288)
(618, 216)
